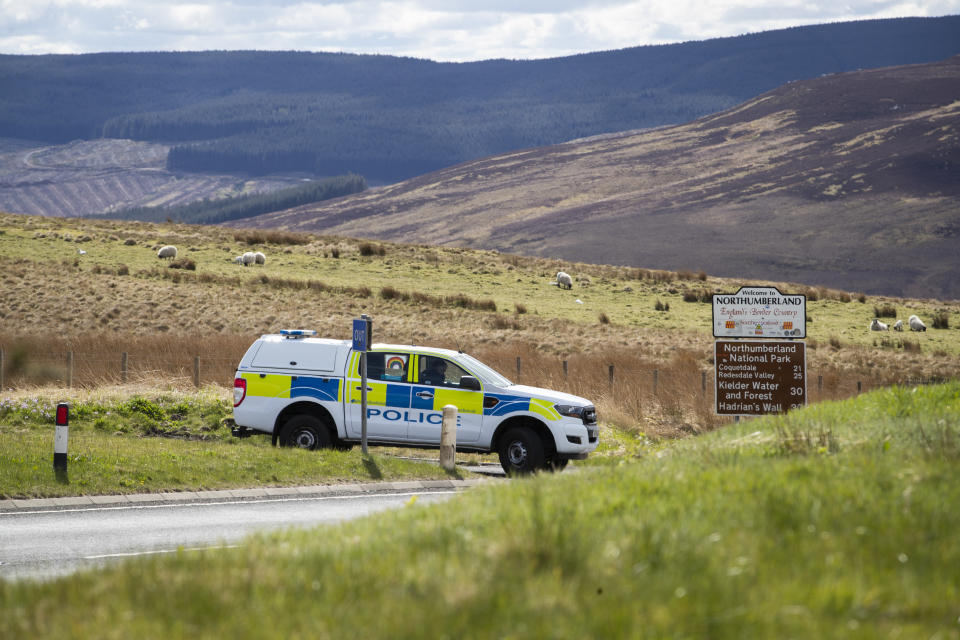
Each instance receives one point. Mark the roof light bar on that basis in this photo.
(297, 333)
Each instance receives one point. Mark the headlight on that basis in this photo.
(569, 410)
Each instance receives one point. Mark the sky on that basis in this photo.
(442, 30)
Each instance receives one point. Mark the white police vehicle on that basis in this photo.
(305, 391)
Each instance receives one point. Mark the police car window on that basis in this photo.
(440, 372)
(387, 366)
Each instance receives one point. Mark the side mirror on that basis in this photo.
(470, 383)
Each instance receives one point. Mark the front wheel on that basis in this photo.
(521, 451)
(305, 432)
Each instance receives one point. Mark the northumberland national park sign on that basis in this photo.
(756, 378)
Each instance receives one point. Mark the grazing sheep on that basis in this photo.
(259, 258)
(898, 325)
(168, 251)
(248, 258)
(564, 281)
(876, 325)
(238, 259)
(916, 324)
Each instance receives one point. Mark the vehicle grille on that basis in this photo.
(589, 415)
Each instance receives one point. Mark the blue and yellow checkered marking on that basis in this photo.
(510, 404)
(326, 389)
(281, 386)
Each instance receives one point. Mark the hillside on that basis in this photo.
(849, 181)
(388, 118)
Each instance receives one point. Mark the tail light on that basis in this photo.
(239, 391)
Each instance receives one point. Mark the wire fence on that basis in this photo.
(631, 382)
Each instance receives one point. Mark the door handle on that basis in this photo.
(361, 389)
(424, 394)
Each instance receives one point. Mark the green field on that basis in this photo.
(836, 521)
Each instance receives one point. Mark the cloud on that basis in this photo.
(435, 29)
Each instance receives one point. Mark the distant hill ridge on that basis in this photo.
(389, 118)
(849, 180)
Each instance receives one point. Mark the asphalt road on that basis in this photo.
(45, 543)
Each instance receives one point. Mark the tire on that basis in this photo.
(521, 452)
(305, 432)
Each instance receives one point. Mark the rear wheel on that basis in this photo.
(305, 432)
(521, 451)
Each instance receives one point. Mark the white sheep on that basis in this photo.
(248, 258)
(898, 325)
(916, 324)
(259, 258)
(564, 281)
(168, 251)
(876, 325)
(238, 259)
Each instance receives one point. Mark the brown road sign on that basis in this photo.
(756, 378)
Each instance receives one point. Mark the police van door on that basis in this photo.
(436, 385)
(388, 396)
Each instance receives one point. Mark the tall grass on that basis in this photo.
(647, 395)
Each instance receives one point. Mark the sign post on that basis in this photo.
(362, 333)
(767, 374)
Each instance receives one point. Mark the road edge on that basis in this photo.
(16, 505)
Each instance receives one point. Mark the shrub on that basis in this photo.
(691, 296)
(861, 297)
(183, 263)
(603, 318)
(391, 293)
(520, 307)
(886, 311)
(499, 321)
(256, 236)
(941, 319)
(371, 249)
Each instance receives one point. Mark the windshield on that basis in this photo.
(482, 371)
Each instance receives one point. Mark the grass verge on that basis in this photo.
(833, 521)
(165, 440)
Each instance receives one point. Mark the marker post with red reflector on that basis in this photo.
(60, 439)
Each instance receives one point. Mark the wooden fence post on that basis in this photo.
(1, 370)
(196, 371)
(123, 367)
(703, 383)
(564, 369)
(69, 369)
(518, 368)
(656, 378)
(859, 386)
(448, 438)
(610, 374)
(819, 383)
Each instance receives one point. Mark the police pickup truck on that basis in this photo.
(306, 392)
